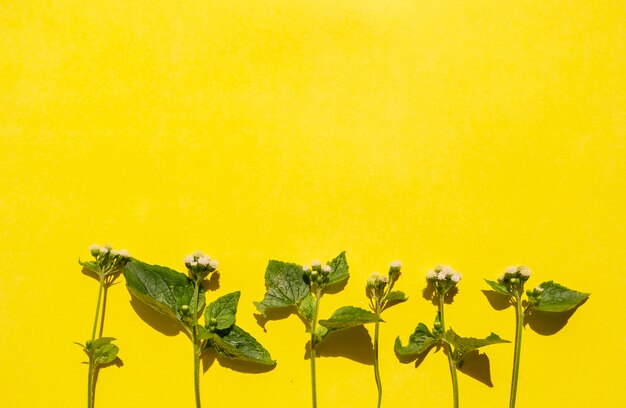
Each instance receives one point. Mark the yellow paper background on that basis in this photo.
(472, 133)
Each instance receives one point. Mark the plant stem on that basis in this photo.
(318, 294)
(451, 363)
(376, 369)
(518, 347)
(92, 368)
(194, 339)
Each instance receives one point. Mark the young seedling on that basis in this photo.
(107, 265)
(443, 280)
(379, 291)
(547, 297)
(289, 284)
(182, 298)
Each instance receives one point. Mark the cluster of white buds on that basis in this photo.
(534, 295)
(377, 281)
(443, 277)
(378, 286)
(512, 274)
(109, 260)
(200, 265)
(316, 274)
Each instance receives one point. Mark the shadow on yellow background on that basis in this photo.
(476, 134)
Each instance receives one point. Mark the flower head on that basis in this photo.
(456, 277)
(326, 268)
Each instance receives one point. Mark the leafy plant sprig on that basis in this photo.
(107, 265)
(182, 298)
(443, 280)
(302, 287)
(546, 297)
(381, 296)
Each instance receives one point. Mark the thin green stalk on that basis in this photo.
(451, 363)
(518, 347)
(313, 328)
(92, 368)
(376, 370)
(194, 339)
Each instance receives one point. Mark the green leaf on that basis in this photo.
(307, 308)
(163, 289)
(347, 317)
(339, 269)
(498, 287)
(393, 298)
(557, 298)
(239, 345)
(223, 310)
(92, 266)
(420, 341)
(463, 345)
(104, 351)
(285, 286)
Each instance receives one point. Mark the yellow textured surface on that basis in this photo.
(473, 133)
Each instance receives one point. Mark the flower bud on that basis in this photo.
(316, 265)
(94, 249)
(326, 270)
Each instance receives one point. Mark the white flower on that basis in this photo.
(94, 247)
(306, 268)
(371, 282)
(441, 276)
(511, 270)
(395, 264)
(213, 263)
(456, 277)
(431, 275)
(375, 276)
(104, 249)
(204, 260)
(524, 271)
(384, 279)
(188, 259)
(194, 263)
(316, 263)
(447, 269)
(539, 289)
(121, 252)
(197, 253)
(326, 268)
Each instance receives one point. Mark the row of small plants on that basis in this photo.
(181, 297)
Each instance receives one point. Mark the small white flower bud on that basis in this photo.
(94, 249)
(188, 259)
(511, 270)
(447, 269)
(539, 289)
(395, 265)
(197, 254)
(104, 249)
(204, 260)
(456, 277)
(384, 279)
(306, 268)
(326, 268)
(431, 275)
(524, 271)
(316, 263)
(213, 263)
(441, 276)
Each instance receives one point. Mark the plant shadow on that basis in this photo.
(275, 314)
(209, 357)
(429, 293)
(154, 319)
(497, 300)
(476, 365)
(549, 323)
(354, 343)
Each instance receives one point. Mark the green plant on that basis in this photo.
(443, 281)
(302, 287)
(107, 265)
(381, 296)
(546, 297)
(182, 298)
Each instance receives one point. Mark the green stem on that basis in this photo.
(518, 347)
(194, 339)
(92, 368)
(376, 369)
(318, 294)
(451, 363)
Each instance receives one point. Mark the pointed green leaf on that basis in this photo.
(239, 345)
(104, 351)
(463, 345)
(498, 287)
(557, 298)
(285, 286)
(223, 310)
(163, 289)
(339, 269)
(393, 298)
(89, 265)
(307, 308)
(420, 341)
(347, 317)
